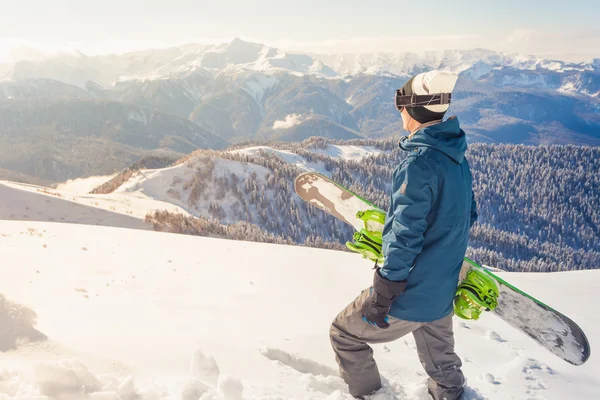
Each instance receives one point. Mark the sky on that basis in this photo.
(551, 28)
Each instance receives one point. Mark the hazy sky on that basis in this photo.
(562, 29)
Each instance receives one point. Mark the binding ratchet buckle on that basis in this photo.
(368, 242)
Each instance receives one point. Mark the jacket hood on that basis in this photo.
(446, 137)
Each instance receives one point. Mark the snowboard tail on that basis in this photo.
(548, 327)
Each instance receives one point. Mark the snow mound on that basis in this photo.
(71, 379)
(231, 388)
(17, 324)
(83, 185)
(205, 368)
(65, 377)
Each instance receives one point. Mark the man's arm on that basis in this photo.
(474, 215)
(415, 191)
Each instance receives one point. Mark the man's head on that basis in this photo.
(425, 98)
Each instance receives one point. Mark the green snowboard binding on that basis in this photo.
(368, 242)
(478, 292)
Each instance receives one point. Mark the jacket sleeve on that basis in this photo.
(474, 215)
(414, 193)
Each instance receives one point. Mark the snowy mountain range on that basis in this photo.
(241, 90)
(240, 56)
(120, 108)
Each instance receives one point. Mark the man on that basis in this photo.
(424, 241)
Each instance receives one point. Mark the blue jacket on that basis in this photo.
(427, 227)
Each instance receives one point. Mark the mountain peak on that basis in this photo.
(240, 44)
(238, 41)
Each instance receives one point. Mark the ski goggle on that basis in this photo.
(416, 100)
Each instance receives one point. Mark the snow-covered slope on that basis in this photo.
(201, 183)
(83, 185)
(70, 204)
(229, 186)
(146, 315)
(287, 156)
(198, 185)
(348, 152)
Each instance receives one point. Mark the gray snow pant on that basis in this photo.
(350, 334)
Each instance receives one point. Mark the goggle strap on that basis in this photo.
(413, 100)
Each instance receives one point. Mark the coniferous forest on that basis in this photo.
(538, 206)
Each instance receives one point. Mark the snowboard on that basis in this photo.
(548, 327)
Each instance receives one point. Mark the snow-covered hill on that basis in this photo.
(70, 204)
(253, 184)
(146, 315)
(200, 184)
(519, 229)
(230, 186)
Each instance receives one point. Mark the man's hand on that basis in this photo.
(377, 305)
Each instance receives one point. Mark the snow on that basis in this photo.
(478, 70)
(64, 204)
(575, 85)
(287, 156)
(257, 85)
(83, 185)
(150, 315)
(165, 185)
(137, 117)
(348, 152)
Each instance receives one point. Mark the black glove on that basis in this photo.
(377, 305)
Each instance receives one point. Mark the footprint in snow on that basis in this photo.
(464, 325)
(420, 393)
(491, 379)
(302, 365)
(315, 376)
(493, 335)
(534, 372)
